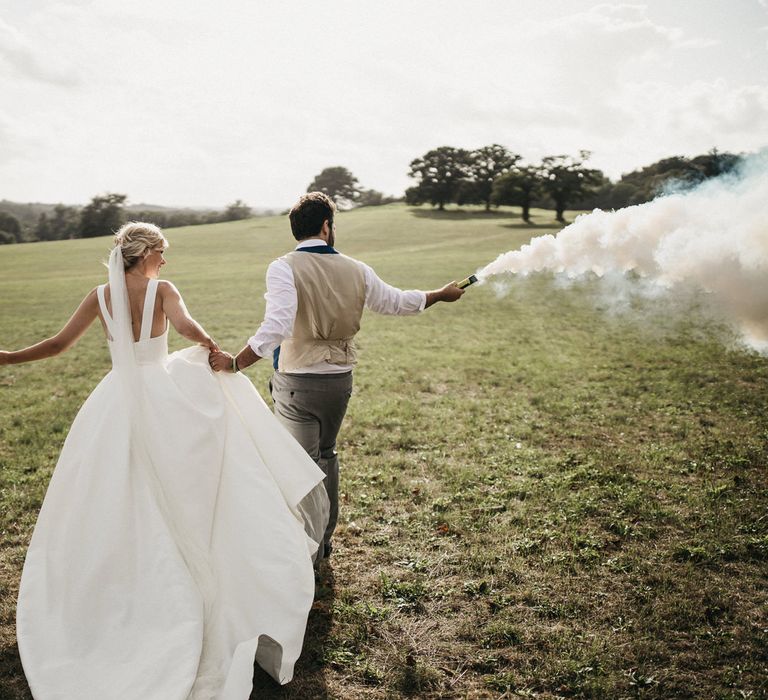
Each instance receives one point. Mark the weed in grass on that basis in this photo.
(502, 683)
(407, 595)
(757, 547)
(499, 634)
(414, 676)
(475, 589)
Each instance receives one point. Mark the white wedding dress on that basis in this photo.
(176, 538)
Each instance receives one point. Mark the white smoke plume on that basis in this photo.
(713, 238)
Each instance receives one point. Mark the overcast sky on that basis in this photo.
(198, 103)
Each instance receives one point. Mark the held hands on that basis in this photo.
(220, 361)
(211, 344)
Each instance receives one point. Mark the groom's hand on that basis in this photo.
(450, 292)
(220, 361)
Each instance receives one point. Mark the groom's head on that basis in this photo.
(311, 215)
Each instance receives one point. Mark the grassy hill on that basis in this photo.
(539, 497)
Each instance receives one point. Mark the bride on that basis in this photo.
(175, 542)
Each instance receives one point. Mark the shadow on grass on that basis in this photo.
(465, 215)
(308, 679)
(13, 684)
(533, 225)
(462, 214)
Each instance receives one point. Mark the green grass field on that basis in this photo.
(540, 498)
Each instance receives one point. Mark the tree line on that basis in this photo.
(493, 175)
(102, 216)
(490, 176)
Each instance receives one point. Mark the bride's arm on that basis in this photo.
(63, 340)
(176, 311)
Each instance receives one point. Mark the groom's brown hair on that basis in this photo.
(309, 213)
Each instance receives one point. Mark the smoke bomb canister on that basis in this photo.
(466, 282)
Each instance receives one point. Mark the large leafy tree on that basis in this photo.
(338, 183)
(520, 186)
(439, 173)
(486, 164)
(103, 216)
(566, 179)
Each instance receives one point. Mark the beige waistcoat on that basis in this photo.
(331, 295)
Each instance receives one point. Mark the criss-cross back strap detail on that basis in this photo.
(105, 312)
(149, 311)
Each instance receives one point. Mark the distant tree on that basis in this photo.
(370, 198)
(150, 216)
(64, 222)
(185, 217)
(622, 194)
(27, 213)
(486, 164)
(43, 228)
(598, 196)
(674, 173)
(714, 163)
(654, 179)
(440, 173)
(237, 211)
(373, 198)
(338, 183)
(10, 226)
(6, 238)
(566, 179)
(518, 187)
(103, 216)
(211, 217)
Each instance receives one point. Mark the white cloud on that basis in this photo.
(194, 104)
(714, 109)
(19, 56)
(661, 120)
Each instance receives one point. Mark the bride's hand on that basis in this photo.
(211, 344)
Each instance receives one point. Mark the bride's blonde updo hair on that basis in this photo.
(136, 238)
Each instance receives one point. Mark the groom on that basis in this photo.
(315, 300)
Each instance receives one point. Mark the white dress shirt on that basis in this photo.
(282, 304)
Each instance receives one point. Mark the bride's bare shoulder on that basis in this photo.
(166, 290)
(91, 298)
(166, 286)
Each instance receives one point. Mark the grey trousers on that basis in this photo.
(312, 407)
